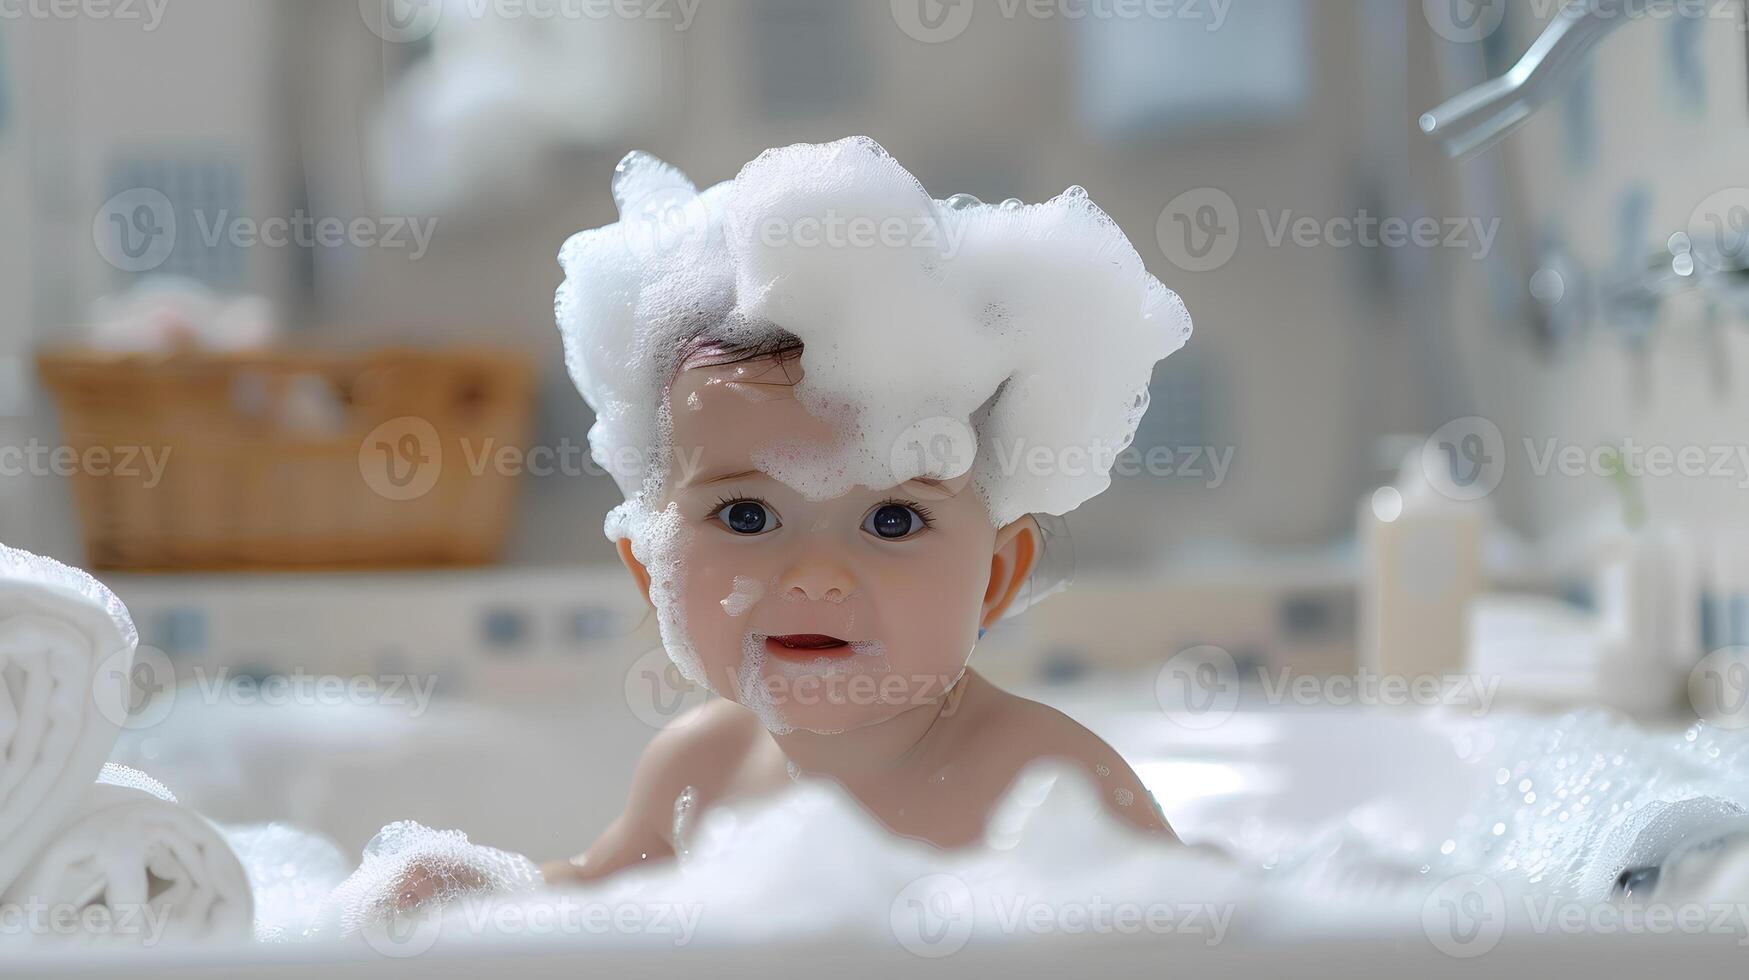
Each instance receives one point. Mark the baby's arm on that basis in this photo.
(1120, 788)
(639, 833)
(698, 749)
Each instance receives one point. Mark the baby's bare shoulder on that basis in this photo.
(1018, 732)
(1027, 730)
(706, 748)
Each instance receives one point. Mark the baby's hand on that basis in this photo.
(426, 880)
(408, 866)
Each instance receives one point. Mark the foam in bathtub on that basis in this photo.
(291, 872)
(812, 865)
(409, 867)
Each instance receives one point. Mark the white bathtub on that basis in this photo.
(541, 775)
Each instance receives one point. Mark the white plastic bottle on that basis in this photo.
(1422, 555)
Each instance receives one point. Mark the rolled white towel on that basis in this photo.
(66, 649)
(134, 866)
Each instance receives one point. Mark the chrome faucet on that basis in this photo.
(1477, 119)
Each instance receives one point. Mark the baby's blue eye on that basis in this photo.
(748, 517)
(893, 522)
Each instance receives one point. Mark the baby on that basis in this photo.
(836, 409)
(866, 607)
(815, 385)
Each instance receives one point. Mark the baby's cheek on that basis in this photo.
(932, 610)
(716, 612)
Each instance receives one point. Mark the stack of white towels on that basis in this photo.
(91, 851)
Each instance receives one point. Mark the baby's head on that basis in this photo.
(831, 453)
(828, 613)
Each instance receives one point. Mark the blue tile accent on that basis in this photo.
(588, 623)
(1687, 65)
(505, 630)
(182, 632)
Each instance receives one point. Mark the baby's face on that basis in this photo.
(848, 610)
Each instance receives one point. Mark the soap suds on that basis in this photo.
(747, 591)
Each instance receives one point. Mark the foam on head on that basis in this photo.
(941, 336)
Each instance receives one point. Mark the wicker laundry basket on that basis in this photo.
(292, 460)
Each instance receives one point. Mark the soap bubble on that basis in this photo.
(1387, 504)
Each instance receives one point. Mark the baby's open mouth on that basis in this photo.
(806, 645)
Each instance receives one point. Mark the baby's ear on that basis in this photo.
(1011, 564)
(640, 574)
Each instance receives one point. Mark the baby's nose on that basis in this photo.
(816, 576)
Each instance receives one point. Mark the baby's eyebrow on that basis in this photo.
(721, 478)
(943, 488)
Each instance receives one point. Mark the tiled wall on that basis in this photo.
(1655, 127)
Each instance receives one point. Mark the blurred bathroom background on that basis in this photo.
(1544, 336)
